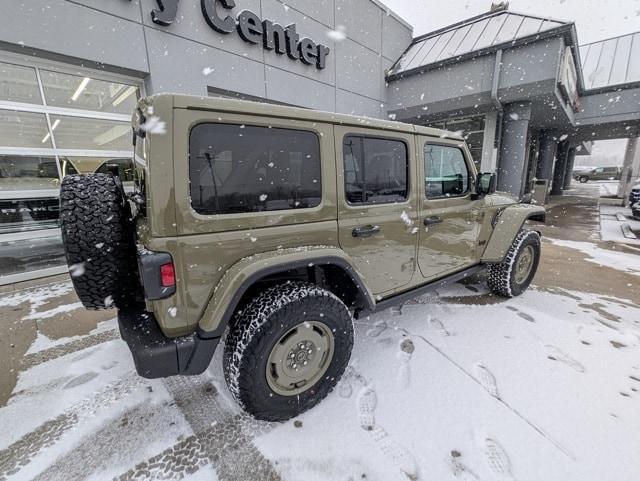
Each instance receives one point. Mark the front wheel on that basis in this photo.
(287, 350)
(512, 276)
(583, 179)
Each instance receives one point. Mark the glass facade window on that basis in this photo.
(19, 84)
(53, 124)
(24, 129)
(77, 92)
(91, 134)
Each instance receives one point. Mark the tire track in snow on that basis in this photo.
(55, 352)
(110, 445)
(21, 452)
(221, 438)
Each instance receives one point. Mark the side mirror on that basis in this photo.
(485, 183)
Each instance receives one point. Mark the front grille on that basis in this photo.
(634, 196)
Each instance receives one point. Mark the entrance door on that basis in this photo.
(377, 211)
(450, 219)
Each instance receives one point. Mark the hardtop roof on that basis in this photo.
(218, 104)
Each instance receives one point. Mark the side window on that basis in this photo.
(446, 172)
(375, 170)
(241, 168)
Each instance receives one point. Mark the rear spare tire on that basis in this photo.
(98, 239)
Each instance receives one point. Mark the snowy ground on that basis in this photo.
(461, 385)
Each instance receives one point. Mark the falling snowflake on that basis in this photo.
(154, 125)
(173, 311)
(339, 34)
(207, 71)
(77, 270)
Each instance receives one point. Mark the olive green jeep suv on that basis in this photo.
(274, 227)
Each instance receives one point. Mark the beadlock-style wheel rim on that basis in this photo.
(300, 358)
(524, 264)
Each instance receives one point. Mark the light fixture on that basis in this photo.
(124, 95)
(53, 127)
(80, 89)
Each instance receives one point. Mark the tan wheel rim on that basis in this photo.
(300, 358)
(524, 264)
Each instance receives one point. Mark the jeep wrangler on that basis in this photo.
(273, 227)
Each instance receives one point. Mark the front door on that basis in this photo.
(377, 211)
(450, 219)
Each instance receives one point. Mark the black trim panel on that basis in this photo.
(366, 301)
(156, 355)
(424, 288)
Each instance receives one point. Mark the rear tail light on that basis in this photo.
(167, 275)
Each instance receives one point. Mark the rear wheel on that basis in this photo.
(98, 239)
(513, 276)
(287, 350)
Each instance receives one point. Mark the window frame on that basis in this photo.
(37, 65)
(248, 124)
(470, 176)
(376, 137)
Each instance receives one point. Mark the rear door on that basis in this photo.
(377, 211)
(450, 219)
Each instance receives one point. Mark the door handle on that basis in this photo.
(365, 231)
(432, 220)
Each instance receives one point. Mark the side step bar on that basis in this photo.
(424, 289)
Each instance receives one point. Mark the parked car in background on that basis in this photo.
(599, 173)
(634, 201)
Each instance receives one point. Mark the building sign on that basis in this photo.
(252, 29)
(568, 81)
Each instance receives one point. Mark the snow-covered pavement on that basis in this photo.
(459, 385)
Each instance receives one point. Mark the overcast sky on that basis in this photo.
(595, 19)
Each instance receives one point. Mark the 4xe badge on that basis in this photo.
(252, 29)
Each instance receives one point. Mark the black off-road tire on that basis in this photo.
(98, 239)
(256, 330)
(583, 179)
(501, 277)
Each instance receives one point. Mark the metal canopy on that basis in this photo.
(475, 34)
(615, 61)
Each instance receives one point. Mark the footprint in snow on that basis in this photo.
(81, 379)
(458, 468)
(487, 380)
(401, 457)
(436, 325)
(556, 354)
(526, 316)
(404, 355)
(377, 329)
(350, 378)
(395, 452)
(367, 403)
(497, 460)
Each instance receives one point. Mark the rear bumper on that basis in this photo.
(156, 355)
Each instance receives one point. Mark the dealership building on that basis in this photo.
(521, 89)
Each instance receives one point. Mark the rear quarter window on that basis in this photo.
(242, 168)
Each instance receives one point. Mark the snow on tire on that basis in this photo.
(97, 234)
(255, 333)
(502, 277)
